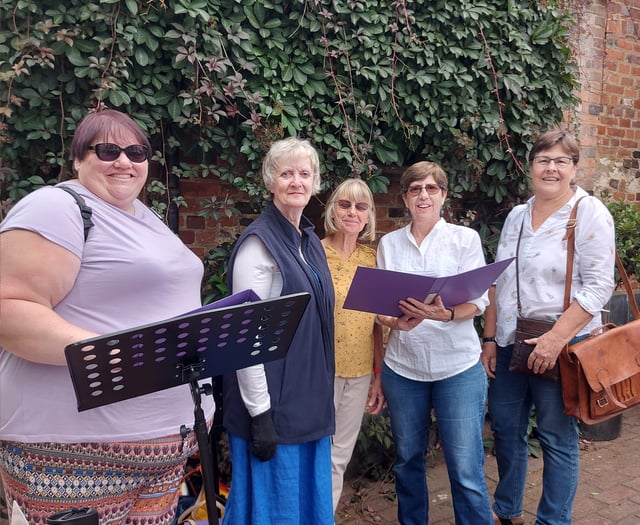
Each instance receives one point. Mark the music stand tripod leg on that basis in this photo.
(209, 476)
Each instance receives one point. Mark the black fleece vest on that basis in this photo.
(301, 384)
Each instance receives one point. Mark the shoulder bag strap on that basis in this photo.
(570, 237)
(518, 265)
(627, 286)
(571, 226)
(85, 209)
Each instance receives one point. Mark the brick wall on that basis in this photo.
(608, 50)
(607, 39)
(204, 233)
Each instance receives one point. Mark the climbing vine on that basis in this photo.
(370, 82)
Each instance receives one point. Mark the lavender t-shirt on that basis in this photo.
(134, 271)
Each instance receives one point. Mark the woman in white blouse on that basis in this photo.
(539, 227)
(432, 359)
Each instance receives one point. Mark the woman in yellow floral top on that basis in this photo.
(349, 217)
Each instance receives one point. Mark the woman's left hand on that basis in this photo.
(434, 311)
(548, 347)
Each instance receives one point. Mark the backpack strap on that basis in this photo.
(85, 210)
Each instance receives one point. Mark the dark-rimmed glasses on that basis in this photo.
(416, 190)
(560, 162)
(360, 206)
(109, 152)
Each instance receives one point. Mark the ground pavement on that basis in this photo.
(608, 493)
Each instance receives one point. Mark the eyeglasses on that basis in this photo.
(560, 162)
(432, 189)
(360, 206)
(109, 152)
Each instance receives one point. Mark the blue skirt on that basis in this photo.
(293, 488)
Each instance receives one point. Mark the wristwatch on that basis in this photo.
(452, 312)
(488, 339)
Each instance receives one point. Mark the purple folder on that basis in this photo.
(379, 291)
(245, 296)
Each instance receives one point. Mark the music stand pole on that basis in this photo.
(209, 469)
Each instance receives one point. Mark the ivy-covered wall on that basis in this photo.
(606, 42)
(374, 84)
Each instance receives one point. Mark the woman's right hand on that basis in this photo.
(488, 358)
(264, 439)
(404, 323)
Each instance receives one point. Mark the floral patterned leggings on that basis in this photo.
(127, 483)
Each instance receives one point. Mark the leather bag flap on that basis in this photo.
(610, 357)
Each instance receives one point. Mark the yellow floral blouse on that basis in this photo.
(353, 329)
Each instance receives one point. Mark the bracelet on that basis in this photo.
(488, 339)
(453, 314)
(377, 370)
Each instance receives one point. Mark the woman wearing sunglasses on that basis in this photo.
(350, 217)
(125, 459)
(432, 358)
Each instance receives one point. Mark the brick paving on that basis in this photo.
(608, 492)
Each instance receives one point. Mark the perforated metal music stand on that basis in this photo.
(206, 343)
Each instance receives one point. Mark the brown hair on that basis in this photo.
(421, 170)
(553, 137)
(104, 124)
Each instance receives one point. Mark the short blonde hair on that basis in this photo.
(355, 190)
(288, 148)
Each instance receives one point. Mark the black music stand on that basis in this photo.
(211, 341)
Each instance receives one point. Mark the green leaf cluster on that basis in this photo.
(370, 83)
(374, 451)
(626, 216)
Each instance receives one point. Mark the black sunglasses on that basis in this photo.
(109, 152)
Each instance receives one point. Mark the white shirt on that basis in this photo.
(434, 350)
(542, 264)
(259, 272)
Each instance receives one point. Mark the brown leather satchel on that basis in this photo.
(601, 374)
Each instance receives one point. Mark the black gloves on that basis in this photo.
(263, 436)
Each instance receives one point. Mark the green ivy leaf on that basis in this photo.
(75, 57)
(132, 6)
(142, 58)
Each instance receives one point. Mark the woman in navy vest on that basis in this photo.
(279, 416)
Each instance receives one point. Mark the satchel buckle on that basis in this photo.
(602, 402)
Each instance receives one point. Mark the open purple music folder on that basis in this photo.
(379, 291)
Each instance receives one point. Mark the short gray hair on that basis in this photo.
(287, 148)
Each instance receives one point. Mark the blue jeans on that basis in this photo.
(511, 397)
(459, 404)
